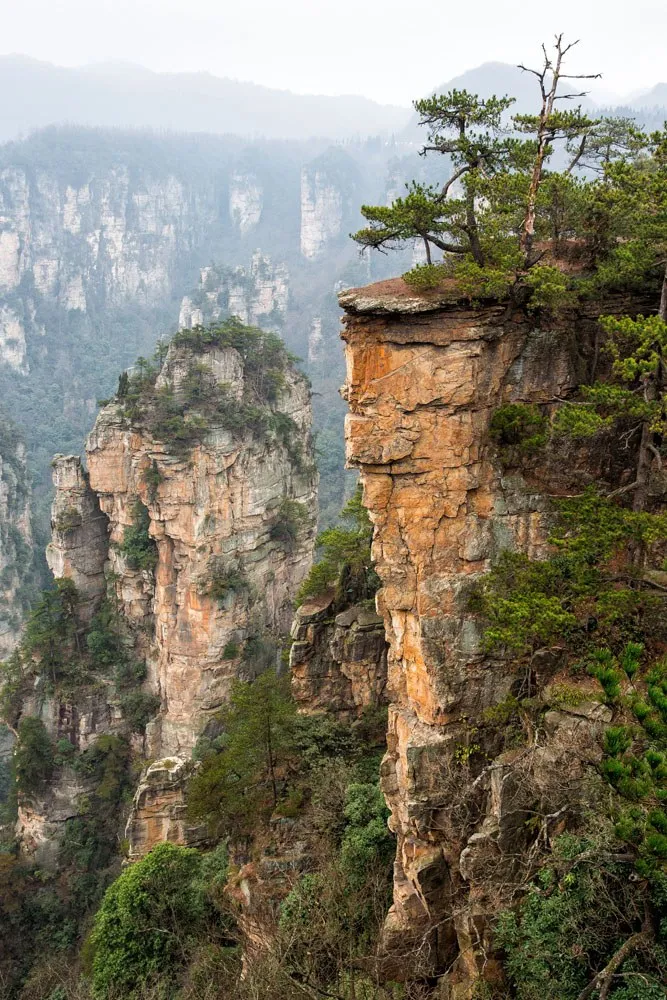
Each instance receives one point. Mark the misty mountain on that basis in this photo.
(502, 79)
(654, 98)
(37, 93)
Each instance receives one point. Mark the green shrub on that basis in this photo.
(138, 708)
(239, 781)
(344, 557)
(65, 753)
(90, 841)
(224, 579)
(103, 638)
(519, 427)
(260, 653)
(49, 637)
(33, 756)
(149, 921)
(152, 479)
(533, 603)
(291, 519)
(604, 670)
(184, 418)
(570, 924)
(367, 839)
(68, 520)
(478, 283)
(331, 919)
(617, 739)
(550, 289)
(424, 277)
(139, 549)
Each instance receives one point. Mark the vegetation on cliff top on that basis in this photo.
(182, 414)
(522, 191)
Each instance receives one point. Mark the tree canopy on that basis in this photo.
(517, 187)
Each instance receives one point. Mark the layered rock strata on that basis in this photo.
(79, 543)
(159, 809)
(425, 374)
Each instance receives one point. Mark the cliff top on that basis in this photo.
(396, 296)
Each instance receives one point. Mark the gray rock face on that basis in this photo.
(321, 212)
(16, 541)
(78, 548)
(257, 294)
(338, 662)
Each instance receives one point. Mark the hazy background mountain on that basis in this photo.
(124, 95)
(120, 95)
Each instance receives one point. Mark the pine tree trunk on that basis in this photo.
(528, 234)
(645, 455)
(644, 460)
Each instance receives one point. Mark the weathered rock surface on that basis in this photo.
(245, 201)
(80, 719)
(338, 662)
(219, 504)
(321, 212)
(214, 509)
(159, 809)
(424, 376)
(257, 294)
(16, 541)
(79, 542)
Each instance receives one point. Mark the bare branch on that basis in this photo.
(603, 979)
(448, 184)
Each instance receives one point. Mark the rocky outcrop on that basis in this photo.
(12, 340)
(211, 511)
(79, 543)
(246, 199)
(79, 719)
(321, 212)
(16, 541)
(425, 374)
(257, 294)
(124, 234)
(159, 809)
(315, 340)
(207, 607)
(338, 661)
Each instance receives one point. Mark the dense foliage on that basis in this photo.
(344, 557)
(152, 916)
(183, 415)
(138, 547)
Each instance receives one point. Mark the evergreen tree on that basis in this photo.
(240, 778)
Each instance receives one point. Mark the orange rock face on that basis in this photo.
(424, 377)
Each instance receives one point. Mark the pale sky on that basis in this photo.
(390, 50)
